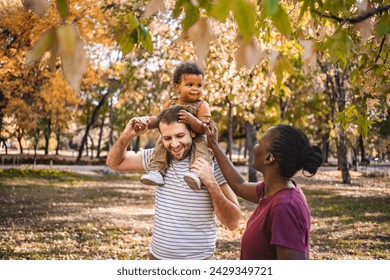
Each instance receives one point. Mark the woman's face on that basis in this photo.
(261, 151)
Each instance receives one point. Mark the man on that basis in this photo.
(184, 222)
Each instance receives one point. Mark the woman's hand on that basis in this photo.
(212, 134)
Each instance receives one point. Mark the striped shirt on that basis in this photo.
(184, 220)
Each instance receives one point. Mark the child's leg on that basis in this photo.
(199, 149)
(158, 166)
(159, 160)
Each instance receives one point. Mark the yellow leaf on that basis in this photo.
(37, 6)
(67, 38)
(248, 54)
(309, 55)
(153, 7)
(201, 34)
(74, 61)
(365, 29)
(274, 55)
(372, 102)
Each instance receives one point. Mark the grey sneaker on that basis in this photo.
(192, 179)
(152, 178)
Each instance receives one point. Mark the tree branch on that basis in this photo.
(380, 49)
(354, 20)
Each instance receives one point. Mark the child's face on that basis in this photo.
(190, 88)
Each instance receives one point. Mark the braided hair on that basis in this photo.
(293, 151)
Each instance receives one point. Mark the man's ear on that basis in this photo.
(193, 134)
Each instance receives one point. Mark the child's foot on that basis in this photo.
(192, 180)
(152, 178)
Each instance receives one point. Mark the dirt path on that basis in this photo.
(84, 217)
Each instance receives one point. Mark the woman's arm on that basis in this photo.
(237, 183)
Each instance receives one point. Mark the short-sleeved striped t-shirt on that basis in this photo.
(184, 221)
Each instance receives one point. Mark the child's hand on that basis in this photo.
(185, 117)
(138, 125)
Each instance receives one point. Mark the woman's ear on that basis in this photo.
(270, 159)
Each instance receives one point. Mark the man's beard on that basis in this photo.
(183, 156)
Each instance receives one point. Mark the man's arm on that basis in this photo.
(117, 158)
(224, 200)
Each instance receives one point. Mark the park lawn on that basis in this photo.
(49, 214)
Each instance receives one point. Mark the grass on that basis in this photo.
(50, 214)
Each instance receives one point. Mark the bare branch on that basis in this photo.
(380, 49)
(354, 20)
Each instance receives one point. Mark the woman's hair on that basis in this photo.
(293, 151)
(169, 115)
(186, 68)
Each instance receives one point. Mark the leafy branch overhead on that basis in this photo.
(284, 38)
(63, 41)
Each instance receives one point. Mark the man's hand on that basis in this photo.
(136, 126)
(205, 170)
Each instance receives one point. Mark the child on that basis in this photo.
(187, 81)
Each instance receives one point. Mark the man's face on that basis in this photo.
(177, 139)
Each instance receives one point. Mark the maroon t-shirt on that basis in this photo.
(282, 219)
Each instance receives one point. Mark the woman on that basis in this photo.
(279, 228)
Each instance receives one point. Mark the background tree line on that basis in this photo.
(68, 68)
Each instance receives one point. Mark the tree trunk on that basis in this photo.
(90, 125)
(58, 137)
(5, 146)
(111, 133)
(341, 137)
(342, 156)
(361, 148)
(251, 140)
(325, 147)
(92, 145)
(230, 131)
(136, 143)
(19, 137)
(46, 134)
(100, 137)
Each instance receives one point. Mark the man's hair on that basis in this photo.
(169, 115)
(186, 68)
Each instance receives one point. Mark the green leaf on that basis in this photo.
(245, 15)
(132, 22)
(119, 34)
(339, 47)
(178, 8)
(192, 16)
(382, 28)
(221, 9)
(281, 21)
(147, 43)
(363, 125)
(62, 6)
(66, 38)
(271, 7)
(43, 44)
